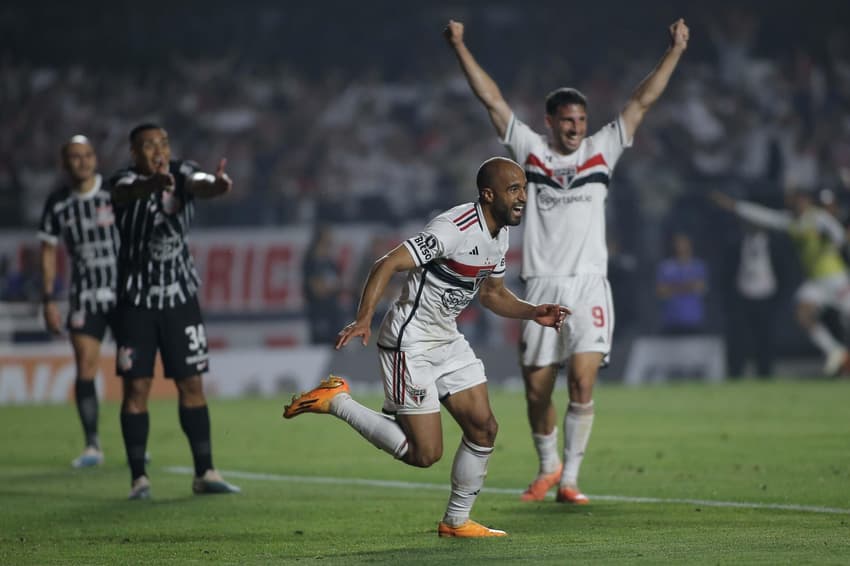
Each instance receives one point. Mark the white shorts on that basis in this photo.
(415, 383)
(588, 329)
(833, 291)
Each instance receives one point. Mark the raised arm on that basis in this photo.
(484, 87)
(376, 283)
(204, 185)
(502, 301)
(651, 87)
(753, 213)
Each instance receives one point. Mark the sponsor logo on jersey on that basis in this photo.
(547, 200)
(425, 245)
(474, 251)
(455, 300)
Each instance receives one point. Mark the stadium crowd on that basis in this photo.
(389, 137)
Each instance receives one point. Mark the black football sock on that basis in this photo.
(135, 427)
(87, 407)
(195, 422)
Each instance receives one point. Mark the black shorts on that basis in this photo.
(177, 333)
(92, 324)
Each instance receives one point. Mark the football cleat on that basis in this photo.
(537, 489)
(90, 457)
(571, 495)
(837, 363)
(212, 482)
(141, 488)
(469, 529)
(318, 400)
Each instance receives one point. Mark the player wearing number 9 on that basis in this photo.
(158, 309)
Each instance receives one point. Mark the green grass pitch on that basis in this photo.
(738, 473)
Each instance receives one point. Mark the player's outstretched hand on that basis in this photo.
(551, 315)
(353, 329)
(222, 180)
(453, 33)
(679, 34)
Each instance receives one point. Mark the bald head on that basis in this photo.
(493, 170)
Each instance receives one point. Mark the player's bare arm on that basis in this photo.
(379, 277)
(494, 296)
(52, 317)
(204, 185)
(648, 91)
(482, 85)
(124, 193)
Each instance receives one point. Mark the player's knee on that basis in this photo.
(423, 458)
(537, 395)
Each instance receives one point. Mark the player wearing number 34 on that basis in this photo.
(154, 202)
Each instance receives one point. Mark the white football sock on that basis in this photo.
(547, 451)
(380, 430)
(577, 424)
(468, 472)
(823, 339)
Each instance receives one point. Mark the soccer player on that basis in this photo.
(158, 309)
(818, 237)
(424, 359)
(564, 253)
(80, 214)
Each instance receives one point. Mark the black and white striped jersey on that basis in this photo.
(155, 268)
(86, 224)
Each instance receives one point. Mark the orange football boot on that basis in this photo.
(571, 495)
(537, 489)
(469, 529)
(318, 400)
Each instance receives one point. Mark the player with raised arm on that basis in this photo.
(818, 237)
(80, 214)
(424, 359)
(564, 253)
(158, 308)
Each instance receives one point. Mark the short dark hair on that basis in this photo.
(562, 96)
(143, 128)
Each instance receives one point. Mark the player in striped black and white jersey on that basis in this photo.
(424, 359)
(565, 257)
(80, 215)
(158, 308)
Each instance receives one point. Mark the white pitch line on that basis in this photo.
(439, 487)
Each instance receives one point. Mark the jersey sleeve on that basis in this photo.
(49, 228)
(519, 139)
(831, 228)
(500, 269)
(183, 171)
(440, 238)
(610, 141)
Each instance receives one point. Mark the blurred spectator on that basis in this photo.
(322, 288)
(752, 308)
(681, 284)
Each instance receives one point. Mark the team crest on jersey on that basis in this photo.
(104, 215)
(416, 393)
(564, 176)
(125, 358)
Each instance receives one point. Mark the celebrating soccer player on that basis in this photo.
(424, 359)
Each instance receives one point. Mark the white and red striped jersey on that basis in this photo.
(454, 253)
(564, 219)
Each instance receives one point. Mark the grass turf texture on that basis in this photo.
(771, 443)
